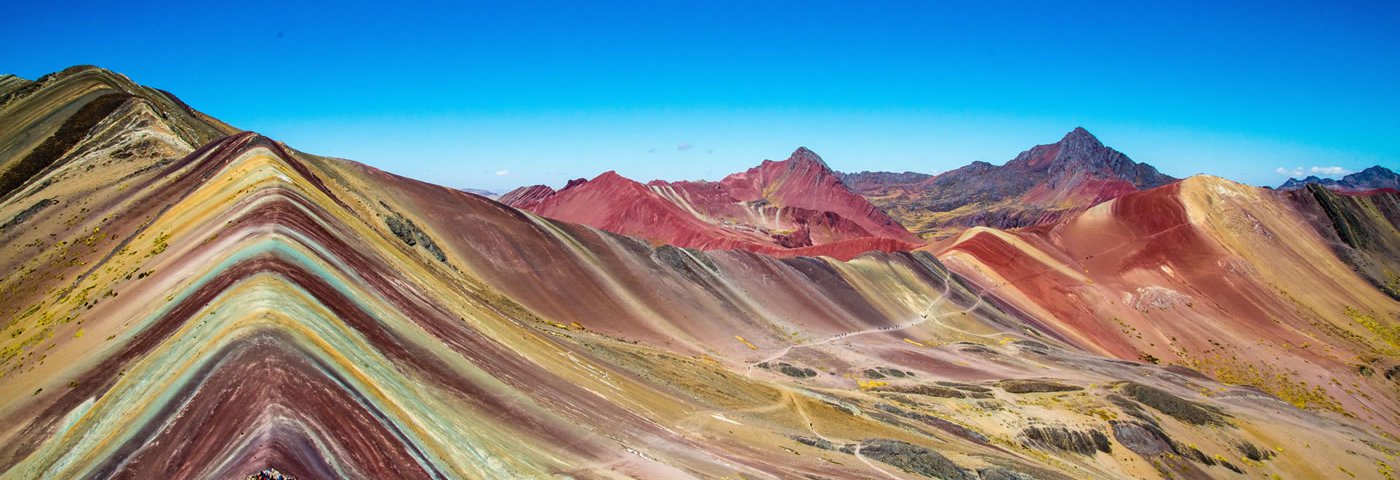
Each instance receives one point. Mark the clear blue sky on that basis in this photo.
(509, 93)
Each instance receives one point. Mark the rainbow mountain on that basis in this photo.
(184, 299)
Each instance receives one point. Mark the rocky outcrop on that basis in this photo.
(1035, 386)
(1141, 438)
(936, 422)
(1083, 442)
(1174, 406)
(913, 459)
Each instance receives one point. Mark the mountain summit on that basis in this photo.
(1040, 185)
(1080, 155)
(803, 155)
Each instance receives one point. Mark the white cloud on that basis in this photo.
(502, 172)
(1331, 171)
(1299, 172)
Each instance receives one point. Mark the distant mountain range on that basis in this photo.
(1040, 185)
(485, 193)
(800, 206)
(797, 206)
(1373, 178)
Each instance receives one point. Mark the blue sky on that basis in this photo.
(510, 93)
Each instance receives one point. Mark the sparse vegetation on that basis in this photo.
(870, 384)
(1388, 332)
(158, 246)
(1283, 385)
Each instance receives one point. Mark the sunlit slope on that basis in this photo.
(1223, 278)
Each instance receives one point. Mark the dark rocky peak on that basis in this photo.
(1081, 149)
(1376, 175)
(1080, 140)
(978, 165)
(803, 156)
(1081, 153)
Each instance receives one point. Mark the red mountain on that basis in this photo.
(797, 206)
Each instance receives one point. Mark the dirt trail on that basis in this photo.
(923, 318)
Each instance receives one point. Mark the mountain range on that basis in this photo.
(1373, 178)
(186, 299)
(1040, 185)
(797, 206)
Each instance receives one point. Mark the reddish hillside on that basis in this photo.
(791, 207)
(1174, 273)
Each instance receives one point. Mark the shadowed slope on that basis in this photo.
(1363, 228)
